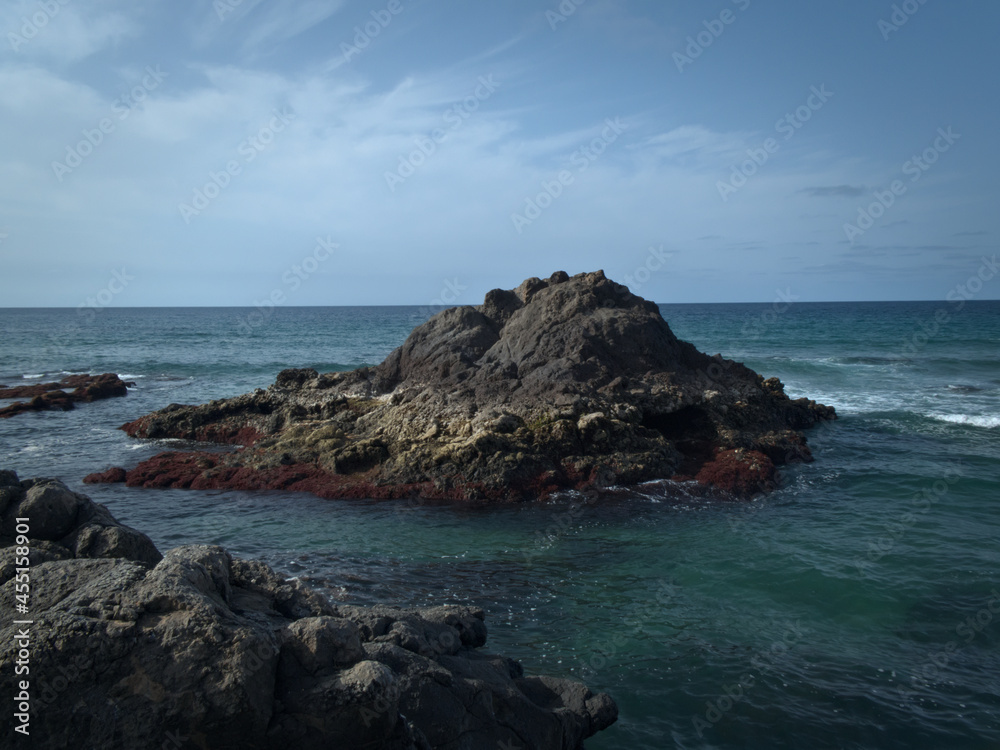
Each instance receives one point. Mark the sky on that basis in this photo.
(334, 152)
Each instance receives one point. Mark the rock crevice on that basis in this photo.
(568, 382)
(131, 647)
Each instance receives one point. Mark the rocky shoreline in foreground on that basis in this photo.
(132, 648)
(563, 383)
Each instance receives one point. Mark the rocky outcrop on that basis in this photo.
(196, 648)
(52, 396)
(560, 383)
(63, 525)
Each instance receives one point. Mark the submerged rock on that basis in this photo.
(51, 396)
(560, 383)
(133, 649)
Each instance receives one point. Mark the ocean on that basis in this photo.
(858, 606)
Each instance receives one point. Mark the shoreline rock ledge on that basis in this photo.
(52, 396)
(195, 648)
(563, 383)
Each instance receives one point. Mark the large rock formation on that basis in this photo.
(129, 649)
(563, 383)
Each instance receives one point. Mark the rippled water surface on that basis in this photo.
(856, 607)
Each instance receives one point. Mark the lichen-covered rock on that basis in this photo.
(560, 383)
(198, 649)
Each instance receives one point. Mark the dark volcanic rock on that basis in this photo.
(51, 396)
(66, 524)
(131, 650)
(560, 383)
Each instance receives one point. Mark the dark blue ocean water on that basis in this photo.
(856, 607)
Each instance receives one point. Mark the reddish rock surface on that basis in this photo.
(563, 383)
(739, 472)
(227, 431)
(200, 470)
(52, 396)
(111, 476)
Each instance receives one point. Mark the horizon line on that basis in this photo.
(447, 306)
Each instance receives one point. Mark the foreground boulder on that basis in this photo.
(63, 525)
(196, 648)
(562, 383)
(52, 396)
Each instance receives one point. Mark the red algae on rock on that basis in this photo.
(564, 383)
(51, 396)
(738, 472)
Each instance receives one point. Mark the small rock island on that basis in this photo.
(52, 396)
(562, 383)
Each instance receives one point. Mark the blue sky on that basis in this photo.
(333, 152)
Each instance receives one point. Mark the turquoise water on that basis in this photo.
(856, 607)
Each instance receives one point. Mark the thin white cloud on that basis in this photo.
(325, 173)
(613, 19)
(62, 33)
(280, 20)
(692, 141)
(30, 91)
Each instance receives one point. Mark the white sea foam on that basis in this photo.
(33, 377)
(849, 402)
(974, 420)
(131, 377)
(857, 361)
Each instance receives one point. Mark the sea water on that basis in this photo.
(858, 606)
